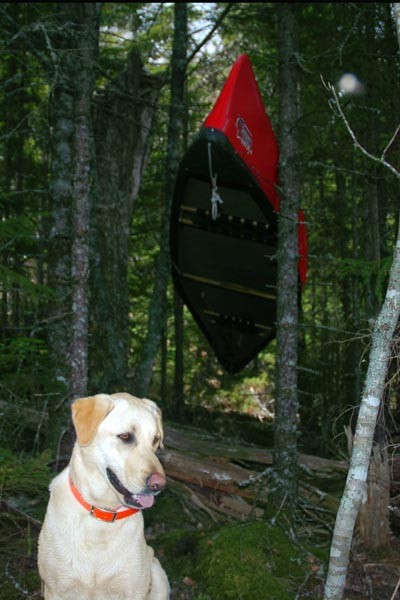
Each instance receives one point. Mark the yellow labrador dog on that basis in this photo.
(92, 546)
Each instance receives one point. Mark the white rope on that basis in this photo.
(215, 197)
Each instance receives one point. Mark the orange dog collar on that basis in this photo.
(101, 514)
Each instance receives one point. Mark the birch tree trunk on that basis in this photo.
(87, 39)
(158, 303)
(355, 489)
(286, 401)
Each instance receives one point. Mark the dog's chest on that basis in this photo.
(106, 560)
(104, 549)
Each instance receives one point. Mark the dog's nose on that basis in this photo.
(156, 482)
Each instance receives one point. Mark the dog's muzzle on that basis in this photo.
(154, 485)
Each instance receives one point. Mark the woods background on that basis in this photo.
(91, 132)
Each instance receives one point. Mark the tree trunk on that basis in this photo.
(61, 193)
(355, 489)
(373, 522)
(123, 120)
(158, 303)
(286, 402)
(178, 400)
(177, 405)
(87, 40)
(355, 350)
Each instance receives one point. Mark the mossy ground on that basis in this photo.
(242, 561)
(238, 561)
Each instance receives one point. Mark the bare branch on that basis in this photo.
(396, 589)
(391, 142)
(210, 33)
(9, 508)
(381, 160)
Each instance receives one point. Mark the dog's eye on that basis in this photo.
(128, 437)
(157, 440)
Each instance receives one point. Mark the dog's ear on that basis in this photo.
(158, 416)
(87, 414)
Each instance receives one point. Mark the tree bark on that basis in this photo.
(158, 303)
(286, 401)
(355, 488)
(178, 400)
(87, 39)
(373, 521)
(177, 404)
(123, 119)
(61, 193)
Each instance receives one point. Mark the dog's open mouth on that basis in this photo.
(135, 500)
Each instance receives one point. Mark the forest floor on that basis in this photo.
(213, 532)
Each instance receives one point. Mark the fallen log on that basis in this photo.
(196, 442)
(223, 485)
(229, 505)
(216, 504)
(222, 477)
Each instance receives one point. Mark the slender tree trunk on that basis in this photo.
(355, 488)
(356, 352)
(164, 368)
(124, 115)
(178, 396)
(61, 193)
(158, 303)
(178, 400)
(372, 243)
(286, 402)
(87, 38)
(11, 119)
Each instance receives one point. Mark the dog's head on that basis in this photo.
(119, 435)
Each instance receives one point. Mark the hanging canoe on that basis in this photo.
(224, 223)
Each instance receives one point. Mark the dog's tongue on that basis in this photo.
(145, 500)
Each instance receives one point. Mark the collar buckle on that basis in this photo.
(94, 512)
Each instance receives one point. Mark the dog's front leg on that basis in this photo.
(159, 582)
